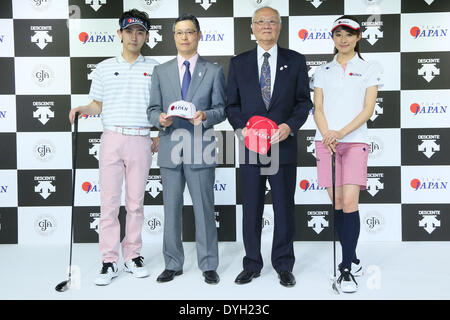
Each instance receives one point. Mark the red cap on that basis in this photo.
(259, 132)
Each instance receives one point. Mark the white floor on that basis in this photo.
(394, 270)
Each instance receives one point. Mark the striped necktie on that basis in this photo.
(265, 80)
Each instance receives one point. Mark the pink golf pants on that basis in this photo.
(129, 157)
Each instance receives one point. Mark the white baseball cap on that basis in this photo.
(181, 109)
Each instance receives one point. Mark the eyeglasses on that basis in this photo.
(189, 33)
(261, 22)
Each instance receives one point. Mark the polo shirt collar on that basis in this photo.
(121, 59)
(354, 60)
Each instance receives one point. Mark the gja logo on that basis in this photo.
(372, 33)
(94, 150)
(310, 185)
(42, 75)
(154, 36)
(205, 3)
(43, 111)
(313, 66)
(428, 69)
(212, 35)
(374, 185)
(432, 108)
(374, 222)
(89, 187)
(318, 221)
(375, 147)
(428, 184)
(378, 109)
(429, 32)
(151, 5)
(97, 37)
(95, 4)
(429, 221)
(153, 222)
(428, 145)
(267, 223)
(44, 150)
(260, 3)
(41, 37)
(45, 225)
(311, 148)
(93, 225)
(45, 187)
(154, 186)
(40, 5)
(318, 34)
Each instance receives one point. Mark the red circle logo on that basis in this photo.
(86, 186)
(414, 108)
(303, 34)
(415, 184)
(173, 107)
(83, 36)
(145, 73)
(130, 20)
(414, 31)
(304, 184)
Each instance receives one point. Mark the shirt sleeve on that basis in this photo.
(374, 75)
(97, 91)
(317, 79)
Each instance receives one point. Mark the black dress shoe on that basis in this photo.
(211, 277)
(246, 276)
(287, 279)
(168, 275)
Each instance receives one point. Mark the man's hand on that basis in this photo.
(281, 134)
(164, 120)
(244, 132)
(72, 113)
(155, 144)
(198, 117)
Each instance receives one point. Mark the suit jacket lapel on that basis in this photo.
(252, 74)
(281, 76)
(174, 78)
(196, 78)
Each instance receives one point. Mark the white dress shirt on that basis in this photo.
(272, 63)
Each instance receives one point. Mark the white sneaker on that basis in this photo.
(136, 267)
(346, 282)
(357, 269)
(109, 271)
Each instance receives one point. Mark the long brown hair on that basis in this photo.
(351, 31)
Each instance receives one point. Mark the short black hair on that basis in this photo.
(134, 13)
(187, 16)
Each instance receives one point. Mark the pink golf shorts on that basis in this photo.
(351, 164)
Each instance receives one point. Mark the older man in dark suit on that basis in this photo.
(272, 82)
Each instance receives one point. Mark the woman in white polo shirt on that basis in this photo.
(345, 91)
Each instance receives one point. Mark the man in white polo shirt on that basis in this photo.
(120, 91)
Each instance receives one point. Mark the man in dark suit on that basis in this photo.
(272, 82)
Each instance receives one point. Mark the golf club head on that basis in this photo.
(63, 286)
(334, 287)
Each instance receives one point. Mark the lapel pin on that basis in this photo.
(281, 68)
(285, 66)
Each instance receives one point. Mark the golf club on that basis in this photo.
(333, 174)
(65, 285)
